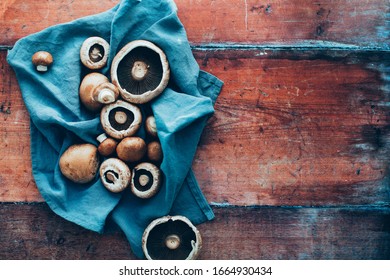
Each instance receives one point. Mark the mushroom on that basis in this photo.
(171, 238)
(115, 175)
(150, 126)
(154, 151)
(145, 180)
(80, 163)
(94, 52)
(107, 145)
(141, 71)
(96, 90)
(131, 149)
(120, 119)
(42, 60)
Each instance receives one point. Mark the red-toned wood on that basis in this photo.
(297, 128)
(206, 21)
(305, 122)
(35, 232)
(290, 128)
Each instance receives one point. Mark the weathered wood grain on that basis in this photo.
(297, 128)
(364, 23)
(34, 232)
(290, 128)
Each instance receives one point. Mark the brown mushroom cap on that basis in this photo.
(131, 149)
(107, 145)
(150, 126)
(42, 60)
(154, 151)
(95, 91)
(120, 119)
(94, 52)
(171, 238)
(79, 163)
(145, 180)
(115, 175)
(141, 71)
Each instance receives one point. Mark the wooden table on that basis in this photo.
(295, 161)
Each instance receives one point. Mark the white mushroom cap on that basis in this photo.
(119, 125)
(115, 175)
(150, 126)
(94, 52)
(141, 73)
(145, 180)
(171, 240)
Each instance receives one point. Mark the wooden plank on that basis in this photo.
(249, 21)
(34, 232)
(297, 128)
(290, 128)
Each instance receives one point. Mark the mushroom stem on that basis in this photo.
(111, 176)
(172, 241)
(143, 180)
(96, 54)
(139, 70)
(41, 68)
(106, 96)
(101, 137)
(120, 117)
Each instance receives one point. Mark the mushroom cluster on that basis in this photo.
(128, 160)
(123, 159)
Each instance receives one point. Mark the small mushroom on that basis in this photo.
(150, 126)
(115, 175)
(145, 180)
(96, 90)
(154, 151)
(107, 145)
(80, 163)
(42, 60)
(141, 71)
(120, 119)
(131, 149)
(171, 238)
(94, 52)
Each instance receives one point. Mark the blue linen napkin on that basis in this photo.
(59, 120)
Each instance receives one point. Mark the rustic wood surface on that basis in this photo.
(301, 133)
(34, 232)
(290, 128)
(363, 23)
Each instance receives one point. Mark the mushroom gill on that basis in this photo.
(140, 71)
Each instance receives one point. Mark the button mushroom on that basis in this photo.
(42, 60)
(94, 52)
(107, 145)
(115, 175)
(131, 149)
(150, 126)
(120, 119)
(141, 71)
(171, 238)
(145, 180)
(80, 163)
(154, 151)
(96, 90)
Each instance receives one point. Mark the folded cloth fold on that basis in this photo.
(59, 120)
